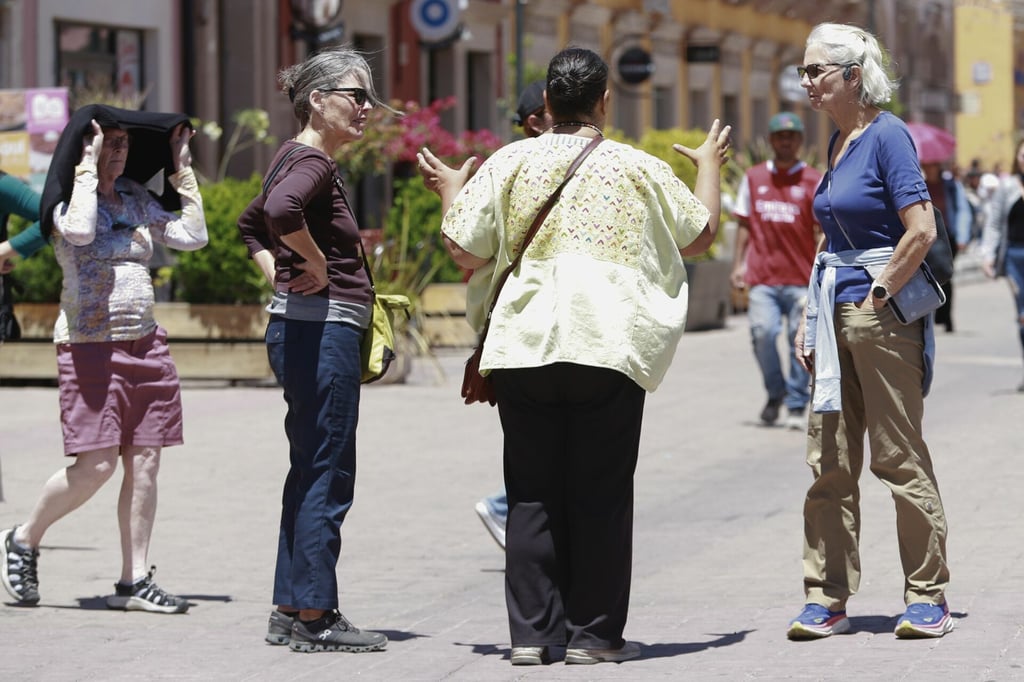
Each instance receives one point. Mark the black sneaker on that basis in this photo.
(146, 595)
(334, 633)
(279, 630)
(770, 413)
(18, 570)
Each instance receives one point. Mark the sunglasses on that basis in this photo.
(359, 95)
(814, 70)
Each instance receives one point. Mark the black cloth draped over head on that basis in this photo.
(148, 154)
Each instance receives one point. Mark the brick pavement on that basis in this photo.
(717, 547)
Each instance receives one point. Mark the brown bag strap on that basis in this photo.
(534, 228)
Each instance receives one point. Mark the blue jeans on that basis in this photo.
(317, 365)
(766, 307)
(1015, 272)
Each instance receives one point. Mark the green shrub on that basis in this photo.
(222, 272)
(658, 143)
(412, 234)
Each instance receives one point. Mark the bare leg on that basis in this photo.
(136, 509)
(67, 490)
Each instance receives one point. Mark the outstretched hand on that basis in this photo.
(180, 152)
(440, 177)
(714, 150)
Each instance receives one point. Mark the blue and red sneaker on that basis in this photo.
(924, 620)
(815, 622)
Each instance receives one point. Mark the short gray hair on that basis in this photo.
(323, 70)
(846, 44)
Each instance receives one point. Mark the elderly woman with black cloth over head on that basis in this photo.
(583, 328)
(119, 392)
(871, 372)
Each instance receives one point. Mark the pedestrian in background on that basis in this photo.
(776, 240)
(16, 198)
(871, 372)
(1002, 242)
(949, 197)
(120, 398)
(585, 325)
(535, 119)
(303, 235)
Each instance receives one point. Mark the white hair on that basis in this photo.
(853, 46)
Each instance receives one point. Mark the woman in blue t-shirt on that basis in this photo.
(871, 372)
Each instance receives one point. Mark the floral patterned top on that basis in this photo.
(603, 283)
(104, 251)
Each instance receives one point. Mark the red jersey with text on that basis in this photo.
(778, 206)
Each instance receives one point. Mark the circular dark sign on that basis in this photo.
(635, 65)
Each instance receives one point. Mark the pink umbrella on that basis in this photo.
(934, 145)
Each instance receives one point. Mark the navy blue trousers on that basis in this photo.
(317, 365)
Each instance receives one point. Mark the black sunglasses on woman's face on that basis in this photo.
(814, 70)
(359, 95)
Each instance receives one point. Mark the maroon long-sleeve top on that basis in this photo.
(306, 195)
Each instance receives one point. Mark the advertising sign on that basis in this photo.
(30, 123)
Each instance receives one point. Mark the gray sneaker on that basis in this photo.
(18, 570)
(279, 630)
(628, 651)
(334, 633)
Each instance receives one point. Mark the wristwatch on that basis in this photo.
(880, 292)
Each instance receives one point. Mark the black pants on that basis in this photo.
(572, 435)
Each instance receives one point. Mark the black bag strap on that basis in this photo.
(277, 168)
(534, 228)
(362, 251)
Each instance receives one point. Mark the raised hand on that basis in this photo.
(715, 148)
(180, 152)
(92, 144)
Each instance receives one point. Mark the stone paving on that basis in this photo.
(717, 543)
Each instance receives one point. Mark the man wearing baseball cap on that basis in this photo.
(776, 241)
(530, 112)
(535, 119)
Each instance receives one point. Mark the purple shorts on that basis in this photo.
(119, 393)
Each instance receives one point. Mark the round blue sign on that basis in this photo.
(434, 12)
(434, 19)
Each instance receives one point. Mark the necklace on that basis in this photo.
(578, 124)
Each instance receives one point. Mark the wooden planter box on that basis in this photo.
(710, 294)
(207, 341)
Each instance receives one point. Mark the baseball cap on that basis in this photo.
(530, 101)
(787, 120)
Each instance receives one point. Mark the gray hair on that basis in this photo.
(851, 45)
(323, 70)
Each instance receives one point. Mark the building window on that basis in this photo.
(627, 111)
(760, 117)
(731, 115)
(480, 100)
(664, 108)
(100, 58)
(700, 109)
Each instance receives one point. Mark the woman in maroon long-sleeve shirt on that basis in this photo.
(303, 235)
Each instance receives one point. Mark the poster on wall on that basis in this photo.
(31, 120)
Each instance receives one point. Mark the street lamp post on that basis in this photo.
(520, 7)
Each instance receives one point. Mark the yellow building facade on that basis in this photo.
(987, 118)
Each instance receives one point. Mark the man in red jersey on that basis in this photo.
(776, 241)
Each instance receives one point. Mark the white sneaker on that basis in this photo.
(628, 651)
(494, 523)
(796, 421)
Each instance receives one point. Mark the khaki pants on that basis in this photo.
(882, 367)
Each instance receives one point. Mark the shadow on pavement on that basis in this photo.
(669, 650)
(399, 635)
